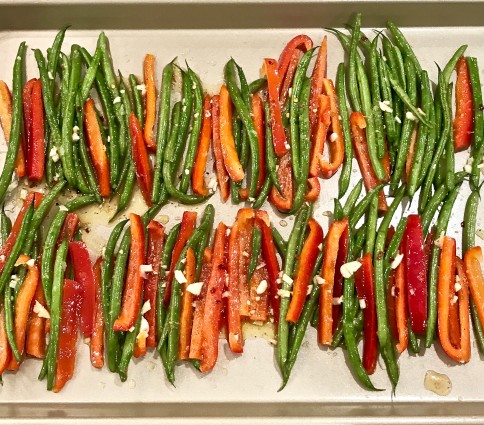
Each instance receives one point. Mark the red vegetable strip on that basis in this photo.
(305, 266)
(133, 287)
(257, 109)
(400, 296)
(69, 228)
(97, 336)
(319, 73)
(26, 141)
(150, 101)
(35, 341)
(186, 315)
(287, 79)
(323, 121)
(245, 220)
(188, 222)
(198, 181)
(314, 189)
(144, 173)
(464, 115)
(338, 277)
(234, 323)
(213, 301)
(472, 261)
(284, 176)
(258, 302)
(222, 176)
(36, 148)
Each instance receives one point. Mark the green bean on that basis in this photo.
(338, 211)
(127, 108)
(244, 112)
(137, 99)
(360, 238)
(257, 85)
(263, 194)
(354, 91)
(9, 323)
(128, 349)
(205, 238)
(195, 132)
(412, 338)
(344, 179)
(394, 244)
(14, 142)
(449, 68)
(53, 57)
(380, 286)
(90, 75)
(407, 127)
(376, 99)
(128, 186)
(372, 222)
(279, 242)
(386, 94)
(163, 128)
(80, 202)
(352, 198)
(270, 154)
(476, 325)
(237, 132)
(5, 225)
(359, 210)
(470, 217)
(255, 252)
(440, 228)
(81, 182)
(289, 264)
(404, 46)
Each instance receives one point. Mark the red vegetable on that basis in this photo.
(69, 228)
(150, 101)
(245, 220)
(186, 315)
(322, 123)
(472, 261)
(283, 202)
(464, 115)
(97, 336)
(338, 277)
(35, 342)
(399, 293)
(222, 175)
(415, 273)
(36, 144)
(198, 181)
(319, 74)
(314, 189)
(133, 287)
(258, 302)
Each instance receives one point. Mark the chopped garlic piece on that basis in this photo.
(348, 269)
(310, 288)
(284, 293)
(41, 311)
(287, 279)
(23, 194)
(195, 288)
(398, 120)
(396, 262)
(362, 303)
(144, 328)
(468, 168)
(63, 208)
(145, 269)
(318, 280)
(116, 100)
(30, 263)
(338, 300)
(457, 287)
(142, 89)
(384, 107)
(440, 241)
(333, 137)
(180, 277)
(410, 116)
(262, 287)
(146, 307)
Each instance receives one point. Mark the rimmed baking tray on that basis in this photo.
(241, 390)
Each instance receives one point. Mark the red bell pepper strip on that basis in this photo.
(133, 288)
(6, 123)
(464, 115)
(284, 176)
(229, 152)
(338, 277)
(222, 176)
(144, 172)
(26, 141)
(69, 228)
(234, 322)
(22, 307)
(446, 293)
(258, 302)
(273, 83)
(198, 181)
(288, 78)
(415, 273)
(35, 341)
(325, 326)
(336, 141)
(186, 314)
(399, 293)
(305, 266)
(84, 276)
(257, 109)
(6, 248)
(150, 101)
(66, 355)
(5, 351)
(156, 233)
(472, 260)
(97, 335)
(188, 223)
(323, 121)
(314, 189)
(270, 258)
(365, 289)
(199, 306)
(317, 77)
(213, 301)
(36, 146)
(360, 147)
(245, 221)
(97, 150)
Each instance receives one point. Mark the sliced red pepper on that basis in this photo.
(323, 121)
(5, 351)
(284, 176)
(229, 152)
(258, 302)
(399, 293)
(257, 109)
(234, 322)
(35, 342)
(314, 189)
(133, 287)
(156, 233)
(144, 172)
(338, 277)
(273, 83)
(84, 276)
(365, 289)
(186, 314)
(288, 78)
(36, 148)
(245, 220)
(197, 328)
(360, 147)
(97, 150)
(222, 175)
(69, 228)
(198, 181)
(213, 301)
(306, 263)
(22, 307)
(446, 293)
(319, 74)
(472, 261)
(336, 141)
(97, 336)
(415, 273)
(188, 222)
(325, 326)
(150, 101)
(6, 123)
(464, 115)
(6, 248)
(270, 258)
(66, 354)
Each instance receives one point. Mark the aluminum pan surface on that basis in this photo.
(321, 384)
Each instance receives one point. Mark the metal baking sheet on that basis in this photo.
(241, 389)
